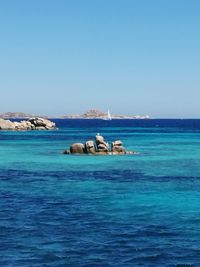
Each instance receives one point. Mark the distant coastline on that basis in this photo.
(91, 114)
(19, 115)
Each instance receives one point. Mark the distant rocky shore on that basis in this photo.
(18, 115)
(30, 124)
(99, 147)
(97, 114)
(91, 114)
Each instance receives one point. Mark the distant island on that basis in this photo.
(98, 114)
(91, 114)
(18, 115)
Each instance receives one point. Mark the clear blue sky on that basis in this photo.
(131, 56)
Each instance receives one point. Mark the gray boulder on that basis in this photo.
(6, 125)
(90, 147)
(99, 139)
(40, 123)
(117, 143)
(101, 144)
(23, 125)
(77, 148)
(117, 147)
(103, 148)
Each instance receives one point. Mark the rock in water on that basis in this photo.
(99, 147)
(117, 143)
(90, 147)
(77, 148)
(117, 147)
(41, 123)
(31, 124)
(99, 139)
(103, 148)
(6, 125)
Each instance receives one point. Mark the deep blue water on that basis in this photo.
(139, 210)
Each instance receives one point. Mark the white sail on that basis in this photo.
(109, 115)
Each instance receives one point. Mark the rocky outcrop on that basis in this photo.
(6, 125)
(30, 124)
(99, 147)
(42, 124)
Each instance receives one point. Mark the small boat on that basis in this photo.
(108, 118)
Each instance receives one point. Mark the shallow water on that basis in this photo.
(62, 210)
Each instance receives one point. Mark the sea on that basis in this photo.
(61, 210)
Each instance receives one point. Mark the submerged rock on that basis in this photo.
(99, 147)
(30, 124)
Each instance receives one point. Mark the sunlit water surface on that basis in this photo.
(142, 210)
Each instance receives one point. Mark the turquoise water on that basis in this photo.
(136, 210)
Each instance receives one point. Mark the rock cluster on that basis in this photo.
(30, 124)
(98, 147)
